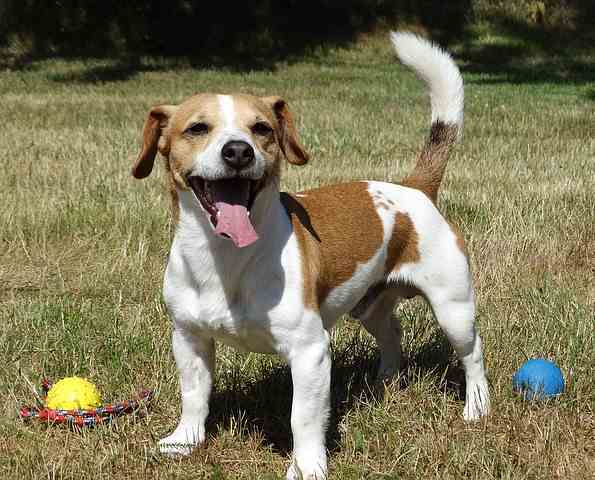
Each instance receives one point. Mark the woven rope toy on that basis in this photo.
(84, 418)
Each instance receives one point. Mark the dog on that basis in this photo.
(271, 272)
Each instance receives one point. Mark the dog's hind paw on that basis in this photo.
(477, 403)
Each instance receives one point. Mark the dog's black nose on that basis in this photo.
(237, 154)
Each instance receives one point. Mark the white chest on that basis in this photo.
(243, 297)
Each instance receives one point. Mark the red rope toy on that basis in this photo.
(84, 418)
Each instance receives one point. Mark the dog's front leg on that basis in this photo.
(311, 374)
(195, 358)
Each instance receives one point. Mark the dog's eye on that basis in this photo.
(199, 128)
(261, 128)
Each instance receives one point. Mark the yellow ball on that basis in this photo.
(73, 393)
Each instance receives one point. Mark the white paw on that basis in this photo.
(293, 473)
(477, 403)
(166, 447)
(181, 442)
(315, 470)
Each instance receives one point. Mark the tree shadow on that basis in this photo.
(531, 53)
(238, 36)
(248, 36)
(264, 406)
(435, 358)
(118, 71)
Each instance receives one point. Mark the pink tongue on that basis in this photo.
(233, 221)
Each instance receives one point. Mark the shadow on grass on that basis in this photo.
(526, 53)
(435, 358)
(258, 35)
(99, 70)
(265, 405)
(523, 53)
(236, 36)
(120, 70)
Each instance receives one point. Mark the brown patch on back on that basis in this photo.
(337, 228)
(403, 244)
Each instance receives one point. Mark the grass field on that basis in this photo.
(83, 249)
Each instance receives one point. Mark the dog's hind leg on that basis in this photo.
(445, 281)
(456, 318)
(195, 357)
(378, 319)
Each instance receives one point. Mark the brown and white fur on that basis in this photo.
(350, 248)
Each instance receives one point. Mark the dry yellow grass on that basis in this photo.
(83, 248)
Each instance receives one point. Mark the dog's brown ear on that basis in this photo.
(153, 139)
(293, 150)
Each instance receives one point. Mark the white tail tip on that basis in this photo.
(437, 69)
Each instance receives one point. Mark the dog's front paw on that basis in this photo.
(292, 472)
(314, 469)
(182, 441)
(167, 447)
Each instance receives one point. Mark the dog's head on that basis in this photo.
(226, 149)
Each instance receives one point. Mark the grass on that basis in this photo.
(83, 248)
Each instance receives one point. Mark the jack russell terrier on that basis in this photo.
(271, 272)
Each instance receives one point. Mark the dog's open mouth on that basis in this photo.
(228, 203)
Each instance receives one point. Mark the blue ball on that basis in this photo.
(538, 379)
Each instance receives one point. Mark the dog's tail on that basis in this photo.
(438, 71)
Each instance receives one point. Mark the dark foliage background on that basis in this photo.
(256, 28)
(258, 33)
